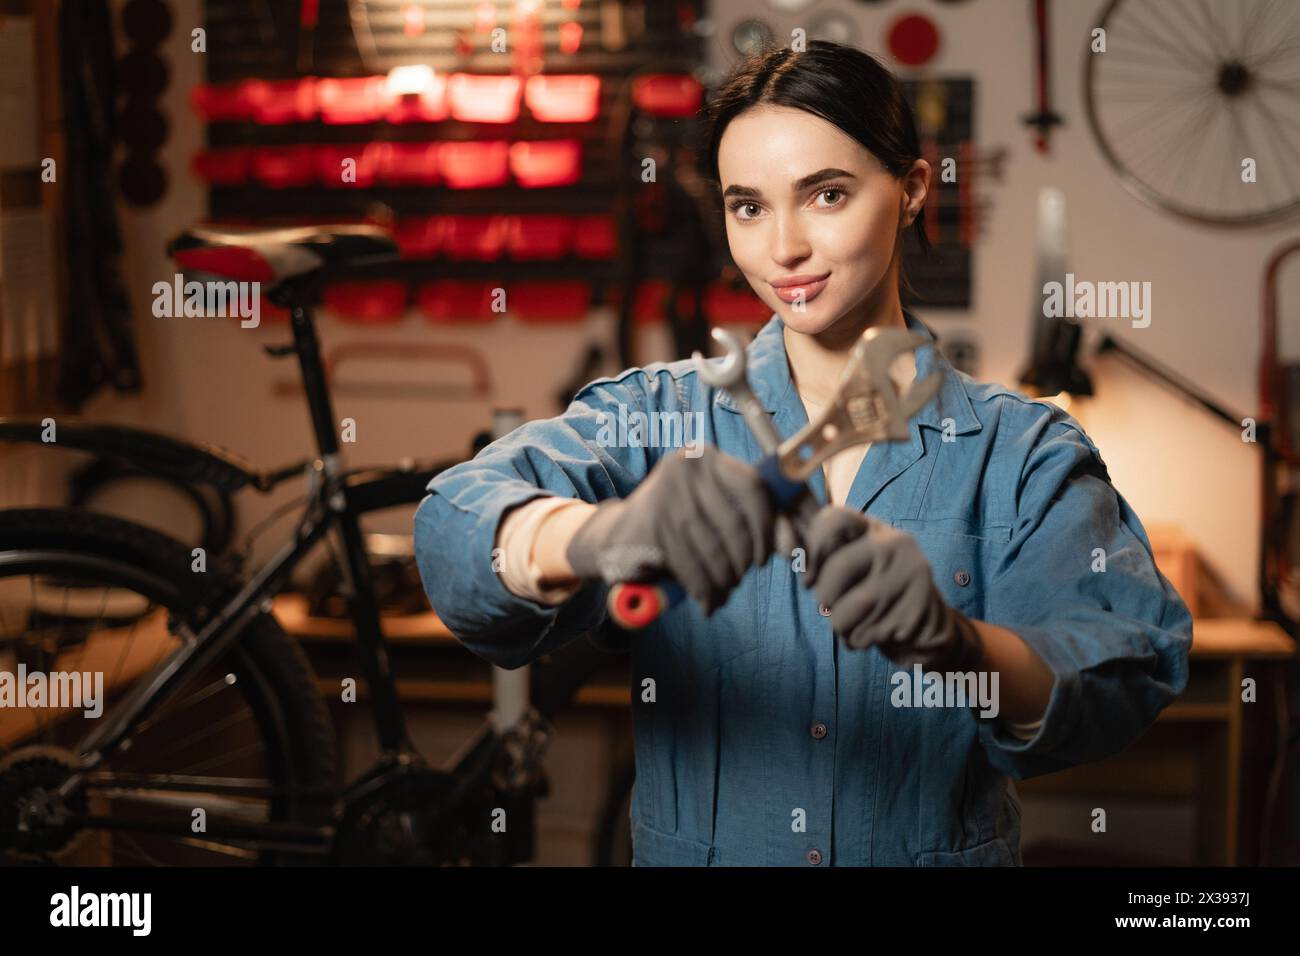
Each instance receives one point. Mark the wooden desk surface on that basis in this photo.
(1240, 637)
(1212, 637)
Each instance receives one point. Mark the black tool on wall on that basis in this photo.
(142, 76)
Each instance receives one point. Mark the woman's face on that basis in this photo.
(804, 200)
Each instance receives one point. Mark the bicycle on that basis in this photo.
(206, 662)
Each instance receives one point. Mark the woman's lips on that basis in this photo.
(808, 290)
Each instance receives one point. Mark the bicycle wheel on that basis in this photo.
(1187, 91)
(246, 740)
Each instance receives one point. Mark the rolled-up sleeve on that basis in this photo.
(1079, 584)
(570, 455)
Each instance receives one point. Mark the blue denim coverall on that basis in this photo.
(761, 720)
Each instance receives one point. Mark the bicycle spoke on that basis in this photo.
(126, 646)
(1141, 27)
(1279, 128)
(1138, 159)
(1155, 111)
(1144, 57)
(138, 849)
(218, 761)
(1286, 42)
(216, 728)
(1261, 13)
(1218, 36)
(171, 710)
(1182, 27)
(99, 617)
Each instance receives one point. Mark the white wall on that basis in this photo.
(1171, 461)
(207, 379)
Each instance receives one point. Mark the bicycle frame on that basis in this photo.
(336, 502)
(508, 746)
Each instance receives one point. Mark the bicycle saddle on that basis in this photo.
(273, 255)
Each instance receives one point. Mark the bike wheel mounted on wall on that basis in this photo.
(1197, 106)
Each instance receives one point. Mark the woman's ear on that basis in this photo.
(916, 187)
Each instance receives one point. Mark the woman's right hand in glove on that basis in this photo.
(703, 521)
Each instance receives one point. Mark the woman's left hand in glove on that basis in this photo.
(878, 586)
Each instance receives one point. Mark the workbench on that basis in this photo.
(1196, 749)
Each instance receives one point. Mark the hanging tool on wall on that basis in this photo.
(1044, 118)
(613, 36)
(526, 37)
(308, 15)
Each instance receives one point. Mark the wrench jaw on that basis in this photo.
(867, 406)
(732, 370)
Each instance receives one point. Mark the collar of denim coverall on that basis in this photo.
(770, 378)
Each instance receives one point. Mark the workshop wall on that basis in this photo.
(209, 380)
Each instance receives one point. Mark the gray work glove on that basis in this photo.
(878, 586)
(703, 521)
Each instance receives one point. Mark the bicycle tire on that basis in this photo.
(281, 691)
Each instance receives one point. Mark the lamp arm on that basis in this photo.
(1170, 378)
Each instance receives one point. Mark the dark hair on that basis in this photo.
(841, 84)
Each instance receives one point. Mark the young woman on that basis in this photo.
(975, 549)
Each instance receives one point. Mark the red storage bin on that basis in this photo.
(550, 162)
(669, 95)
(427, 105)
(595, 237)
(370, 301)
(474, 165)
(648, 308)
(473, 238)
(368, 157)
(418, 237)
(410, 164)
(456, 301)
(283, 167)
(284, 101)
(563, 99)
(723, 304)
(570, 37)
(222, 104)
(223, 167)
(361, 99)
(539, 237)
(559, 301)
(273, 313)
(484, 99)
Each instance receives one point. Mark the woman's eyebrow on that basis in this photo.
(812, 179)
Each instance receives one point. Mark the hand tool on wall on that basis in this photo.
(308, 15)
(1045, 117)
(866, 407)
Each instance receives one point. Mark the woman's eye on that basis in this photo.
(736, 207)
(837, 197)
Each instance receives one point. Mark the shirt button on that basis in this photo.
(962, 578)
(823, 610)
(818, 730)
(815, 857)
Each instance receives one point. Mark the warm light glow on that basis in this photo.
(407, 80)
(413, 20)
